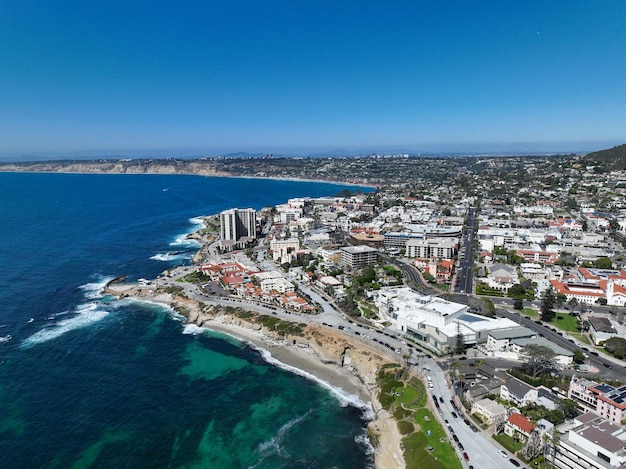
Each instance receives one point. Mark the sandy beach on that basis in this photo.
(327, 355)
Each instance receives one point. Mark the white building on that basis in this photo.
(433, 321)
(358, 256)
(273, 281)
(237, 226)
(440, 248)
(283, 248)
(590, 442)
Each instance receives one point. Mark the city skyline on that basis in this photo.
(207, 78)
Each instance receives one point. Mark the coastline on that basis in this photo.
(346, 367)
(14, 168)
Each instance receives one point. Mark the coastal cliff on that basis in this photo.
(326, 353)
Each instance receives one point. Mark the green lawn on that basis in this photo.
(565, 322)
(508, 442)
(533, 313)
(416, 452)
(582, 337)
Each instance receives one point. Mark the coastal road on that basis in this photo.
(609, 368)
(482, 450)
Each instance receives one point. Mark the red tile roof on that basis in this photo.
(521, 422)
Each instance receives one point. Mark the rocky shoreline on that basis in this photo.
(329, 355)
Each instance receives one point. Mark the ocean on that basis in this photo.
(90, 381)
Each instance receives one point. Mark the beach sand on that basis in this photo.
(329, 355)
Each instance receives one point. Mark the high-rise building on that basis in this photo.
(237, 225)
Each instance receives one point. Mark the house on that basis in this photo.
(489, 410)
(518, 427)
(518, 392)
(502, 277)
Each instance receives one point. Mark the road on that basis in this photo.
(609, 368)
(464, 280)
(482, 450)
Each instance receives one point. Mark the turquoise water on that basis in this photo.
(92, 381)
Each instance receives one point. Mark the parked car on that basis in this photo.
(465, 456)
(514, 462)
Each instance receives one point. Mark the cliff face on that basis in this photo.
(201, 167)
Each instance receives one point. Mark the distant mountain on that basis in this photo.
(613, 158)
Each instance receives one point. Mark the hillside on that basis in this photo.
(611, 159)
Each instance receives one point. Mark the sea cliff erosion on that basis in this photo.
(327, 354)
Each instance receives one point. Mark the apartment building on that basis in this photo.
(237, 227)
(358, 256)
(603, 399)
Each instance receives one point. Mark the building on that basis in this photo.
(518, 427)
(601, 329)
(358, 256)
(237, 227)
(283, 250)
(603, 399)
(589, 442)
(518, 392)
(438, 248)
(489, 410)
(501, 339)
(432, 321)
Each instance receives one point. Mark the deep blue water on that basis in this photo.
(91, 381)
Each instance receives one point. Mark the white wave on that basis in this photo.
(182, 241)
(168, 256)
(5, 338)
(345, 398)
(364, 440)
(274, 445)
(193, 329)
(156, 305)
(93, 290)
(86, 315)
(197, 222)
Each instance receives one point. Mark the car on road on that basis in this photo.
(514, 462)
(607, 365)
(441, 399)
(503, 453)
(453, 413)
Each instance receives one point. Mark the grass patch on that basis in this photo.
(582, 337)
(508, 442)
(565, 322)
(530, 312)
(407, 401)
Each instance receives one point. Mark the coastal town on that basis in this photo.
(500, 302)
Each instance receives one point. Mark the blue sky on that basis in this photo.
(203, 77)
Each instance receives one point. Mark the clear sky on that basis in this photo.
(296, 76)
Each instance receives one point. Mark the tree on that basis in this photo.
(537, 359)
(573, 303)
(532, 448)
(460, 342)
(548, 299)
(569, 408)
(518, 304)
(603, 263)
(579, 357)
(616, 346)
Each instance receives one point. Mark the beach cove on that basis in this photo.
(330, 357)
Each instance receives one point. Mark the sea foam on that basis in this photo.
(86, 315)
(82, 315)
